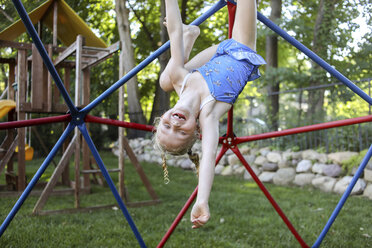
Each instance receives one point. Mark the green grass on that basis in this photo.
(241, 216)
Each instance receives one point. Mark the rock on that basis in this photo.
(264, 151)
(250, 159)
(303, 179)
(145, 142)
(318, 168)
(368, 175)
(287, 155)
(339, 157)
(227, 171)
(233, 159)
(260, 160)
(310, 155)
(223, 160)
(294, 162)
(324, 183)
(254, 151)
(322, 158)
(368, 191)
(269, 167)
(332, 170)
(297, 155)
(354, 170)
(342, 185)
(245, 150)
(247, 175)
(266, 177)
(369, 164)
(304, 166)
(239, 170)
(284, 176)
(115, 151)
(172, 162)
(219, 168)
(146, 156)
(284, 164)
(274, 157)
(186, 164)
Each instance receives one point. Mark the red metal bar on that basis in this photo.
(34, 122)
(269, 197)
(229, 131)
(304, 129)
(231, 10)
(95, 119)
(186, 206)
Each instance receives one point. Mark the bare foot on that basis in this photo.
(190, 34)
(187, 29)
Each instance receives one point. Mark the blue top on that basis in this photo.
(229, 70)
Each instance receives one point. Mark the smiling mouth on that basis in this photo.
(179, 116)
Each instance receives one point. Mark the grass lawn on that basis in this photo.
(241, 216)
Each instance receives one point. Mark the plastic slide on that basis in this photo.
(6, 106)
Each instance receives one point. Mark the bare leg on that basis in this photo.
(245, 27)
(190, 34)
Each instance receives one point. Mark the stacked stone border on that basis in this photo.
(289, 168)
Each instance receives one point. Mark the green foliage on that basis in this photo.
(353, 162)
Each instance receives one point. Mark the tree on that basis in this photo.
(135, 110)
(321, 40)
(272, 62)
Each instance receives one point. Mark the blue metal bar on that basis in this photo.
(314, 57)
(36, 178)
(343, 198)
(84, 131)
(44, 55)
(148, 60)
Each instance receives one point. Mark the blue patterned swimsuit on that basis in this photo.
(229, 70)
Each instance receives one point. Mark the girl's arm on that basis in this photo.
(200, 212)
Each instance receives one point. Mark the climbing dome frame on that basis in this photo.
(78, 118)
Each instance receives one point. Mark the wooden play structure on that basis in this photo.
(31, 91)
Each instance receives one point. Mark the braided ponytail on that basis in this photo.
(194, 157)
(165, 169)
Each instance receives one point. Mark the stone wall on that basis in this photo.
(303, 168)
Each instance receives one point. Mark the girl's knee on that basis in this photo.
(165, 81)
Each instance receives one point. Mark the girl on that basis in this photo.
(207, 87)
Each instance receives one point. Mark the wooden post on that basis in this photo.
(21, 98)
(55, 23)
(86, 151)
(79, 47)
(66, 171)
(63, 163)
(11, 132)
(122, 190)
(11, 80)
(37, 88)
(48, 90)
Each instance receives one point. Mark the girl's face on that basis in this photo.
(176, 129)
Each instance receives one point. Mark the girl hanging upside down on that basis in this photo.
(207, 86)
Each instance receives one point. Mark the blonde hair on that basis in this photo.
(194, 157)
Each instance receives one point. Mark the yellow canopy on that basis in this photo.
(69, 25)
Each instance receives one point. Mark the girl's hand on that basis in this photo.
(199, 215)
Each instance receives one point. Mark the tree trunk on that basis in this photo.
(134, 108)
(272, 62)
(321, 39)
(161, 99)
